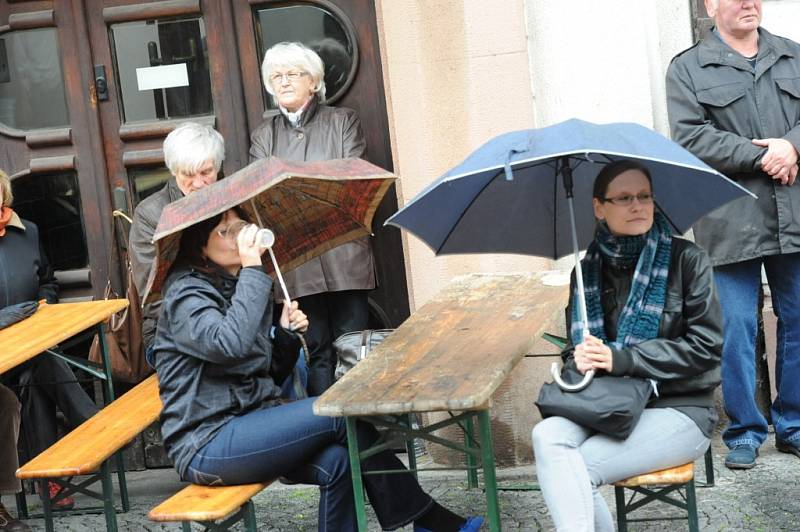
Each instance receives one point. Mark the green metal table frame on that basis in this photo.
(399, 428)
(102, 373)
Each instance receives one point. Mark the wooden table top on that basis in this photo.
(453, 352)
(50, 325)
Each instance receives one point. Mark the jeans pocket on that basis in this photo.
(206, 479)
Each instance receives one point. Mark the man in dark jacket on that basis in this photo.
(194, 154)
(734, 101)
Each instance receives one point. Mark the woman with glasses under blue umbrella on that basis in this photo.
(652, 313)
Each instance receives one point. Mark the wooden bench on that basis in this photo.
(88, 448)
(215, 507)
(658, 485)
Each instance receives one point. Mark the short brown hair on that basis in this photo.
(5, 187)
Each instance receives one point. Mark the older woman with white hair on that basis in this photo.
(332, 288)
(193, 154)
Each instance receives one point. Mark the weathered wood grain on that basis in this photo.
(453, 352)
(50, 325)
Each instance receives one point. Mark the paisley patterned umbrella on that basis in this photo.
(311, 207)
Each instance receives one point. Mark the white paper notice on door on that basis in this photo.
(162, 77)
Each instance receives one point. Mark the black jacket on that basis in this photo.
(685, 358)
(214, 355)
(25, 273)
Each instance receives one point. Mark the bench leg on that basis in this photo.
(186, 526)
(489, 478)
(622, 521)
(108, 498)
(249, 517)
(123, 487)
(355, 471)
(709, 461)
(691, 507)
(22, 504)
(472, 465)
(47, 509)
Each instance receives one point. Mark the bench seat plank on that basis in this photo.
(83, 450)
(205, 503)
(673, 475)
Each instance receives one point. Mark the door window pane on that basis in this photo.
(53, 203)
(31, 85)
(318, 29)
(146, 181)
(161, 68)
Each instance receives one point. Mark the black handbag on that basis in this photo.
(609, 404)
(354, 346)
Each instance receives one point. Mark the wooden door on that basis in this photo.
(344, 33)
(90, 88)
(162, 62)
(50, 138)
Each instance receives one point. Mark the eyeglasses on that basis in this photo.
(645, 198)
(232, 230)
(277, 77)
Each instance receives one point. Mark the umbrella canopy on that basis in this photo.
(508, 195)
(311, 207)
(530, 192)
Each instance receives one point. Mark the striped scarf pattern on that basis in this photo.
(641, 316)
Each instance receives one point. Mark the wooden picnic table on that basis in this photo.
(451, 355)
(49, 326)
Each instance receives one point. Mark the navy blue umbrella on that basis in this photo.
(515, 194)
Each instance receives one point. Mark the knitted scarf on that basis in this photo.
(641, 316)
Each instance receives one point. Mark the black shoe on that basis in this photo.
(742, 456)
(788, 447)
(9, 524)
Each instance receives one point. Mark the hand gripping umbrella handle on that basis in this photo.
(556, 373)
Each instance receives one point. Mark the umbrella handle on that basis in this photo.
(556, 373)
(286, 297)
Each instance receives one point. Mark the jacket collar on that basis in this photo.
(173, 192)
(15, 221)
(714, 51)
(307, 115)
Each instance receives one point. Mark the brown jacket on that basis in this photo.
(142, 250)
(323, 133)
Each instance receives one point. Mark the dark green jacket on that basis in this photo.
(718, 103)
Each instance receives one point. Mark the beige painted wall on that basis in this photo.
(456, 74)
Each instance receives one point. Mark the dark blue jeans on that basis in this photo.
(290, 441)
(737, 287)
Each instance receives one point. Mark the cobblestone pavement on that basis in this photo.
(765, 498)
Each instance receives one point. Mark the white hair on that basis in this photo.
(294, 55)
(5, 188)
(190, 145)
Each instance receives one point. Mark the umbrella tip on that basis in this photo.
(509, 172)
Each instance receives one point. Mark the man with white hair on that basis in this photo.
(193, 154)
(734, 101)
